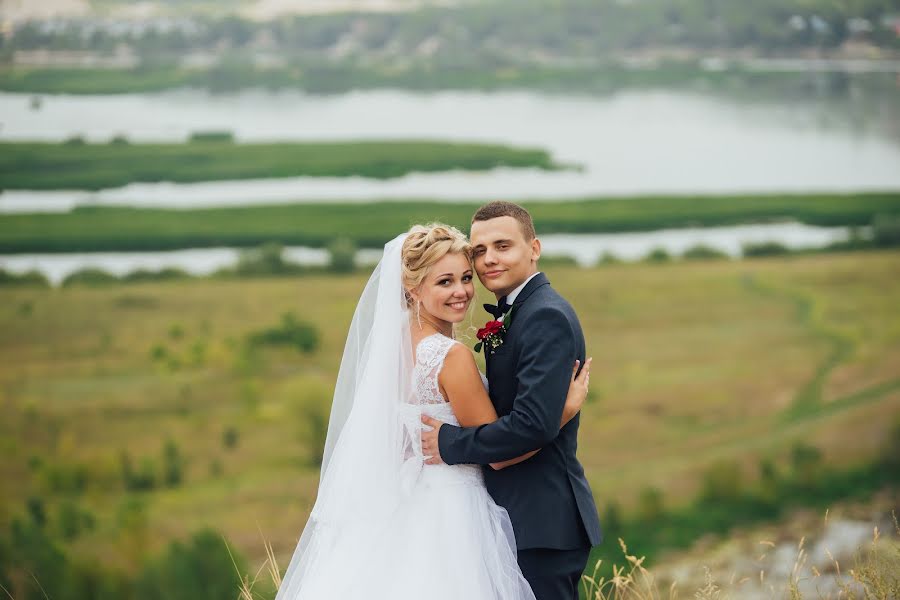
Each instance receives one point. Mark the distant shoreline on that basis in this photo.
(94, 229)
(709, 73)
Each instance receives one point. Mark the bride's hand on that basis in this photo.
(578, 391)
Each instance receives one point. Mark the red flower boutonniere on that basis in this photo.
(491, 335)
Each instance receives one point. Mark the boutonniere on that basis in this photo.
(491, 335)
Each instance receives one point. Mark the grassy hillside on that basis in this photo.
(695, 363)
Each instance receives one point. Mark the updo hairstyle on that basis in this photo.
(423, 247)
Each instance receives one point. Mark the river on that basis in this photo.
(629, 143)
(586, 249)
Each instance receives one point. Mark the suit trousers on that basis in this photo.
(553, 574)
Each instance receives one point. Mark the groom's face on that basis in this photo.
(503, 257)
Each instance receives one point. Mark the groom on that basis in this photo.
(547, 496)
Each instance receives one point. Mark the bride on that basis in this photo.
(379, 507)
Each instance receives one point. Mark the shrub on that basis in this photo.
(29, 278)
(658, 255)
(158, 352)
(298, 334)
(230, 438)
(721, 483)
(612, 520)
(202, 569)
(702, 252)
(137, 480)
(35, 507)
(165, 274)
(650, 504)
(176, 331)
(769, 481)
(892, 449)
(198, 353)
(886, 230)
(173, 464)
(806, 464)
(131, 520)
(267, 259)
(89, 276)
(72, 520)
(764, 249)
(609, 258)
(26, 308)
(211, 136)
(36, 552)
(65, 478)
(316, 416)
(342, 255)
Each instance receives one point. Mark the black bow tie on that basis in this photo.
(501, 309)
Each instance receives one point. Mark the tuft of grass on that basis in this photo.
(874, 576)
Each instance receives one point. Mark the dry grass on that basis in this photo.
(693, 366)
(875, 575)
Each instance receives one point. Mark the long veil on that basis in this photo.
(367, 444)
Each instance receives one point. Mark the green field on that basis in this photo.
(694, 363)
(371, 225)
(79, 165)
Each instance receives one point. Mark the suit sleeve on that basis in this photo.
(544, 370)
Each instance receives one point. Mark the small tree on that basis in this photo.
(806, 462)
(650, 504)
(702, 252)
(612, 520)
(267, 259)
(230, 438)
(202, 569)
(886, 230)
(173, 464)
(342, 255)
(722, 482)
(658, 255)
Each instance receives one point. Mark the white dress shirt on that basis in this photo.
(511, 297)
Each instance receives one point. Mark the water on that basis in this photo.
(631, 143)
(586, 249)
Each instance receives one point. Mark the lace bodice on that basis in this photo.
(430, 355)
(427, 399)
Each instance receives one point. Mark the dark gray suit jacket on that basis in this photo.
(547, 496)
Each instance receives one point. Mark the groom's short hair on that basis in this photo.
(500, 208)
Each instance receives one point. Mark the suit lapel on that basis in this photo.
(537, 281)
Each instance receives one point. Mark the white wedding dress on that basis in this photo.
(449, 539)
(385, 525)
(446, 540)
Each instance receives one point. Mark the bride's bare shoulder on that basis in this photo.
(459, 362)
(462, 385)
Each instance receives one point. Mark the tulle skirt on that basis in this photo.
(447, 540)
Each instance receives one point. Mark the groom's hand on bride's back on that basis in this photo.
(430, 447)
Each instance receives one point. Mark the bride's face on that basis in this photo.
(447, 290)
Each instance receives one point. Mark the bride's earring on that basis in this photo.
(418, 313)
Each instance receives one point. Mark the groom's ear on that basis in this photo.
(535, 249)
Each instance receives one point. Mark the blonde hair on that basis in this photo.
(424, 246)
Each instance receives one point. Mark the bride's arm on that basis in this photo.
(460, 383)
